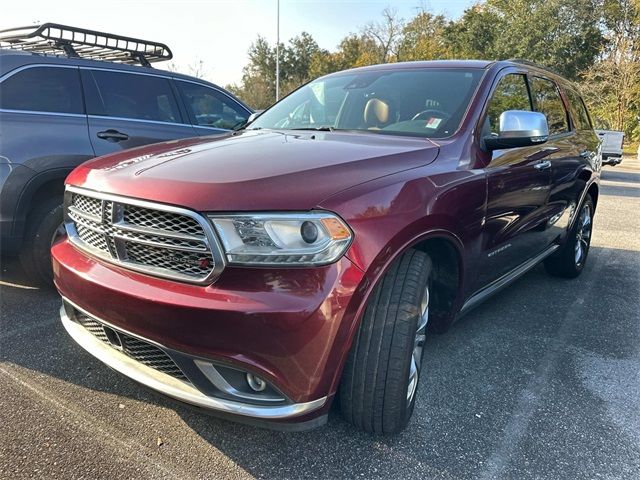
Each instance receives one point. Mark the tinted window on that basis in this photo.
(43, 89)
(510, 94)
(211, 108)
(578, 111)
(547, 100)
(126, 95)
(426, 102)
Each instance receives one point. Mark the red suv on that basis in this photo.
(265, 272)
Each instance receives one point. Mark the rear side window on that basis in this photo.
(578, 111)
(510, 94)
(43, 89)
(128, 95)
(211, 108)
(546, 99)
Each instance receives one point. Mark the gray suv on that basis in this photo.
(68, 95)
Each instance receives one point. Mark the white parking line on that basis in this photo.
(17, 285)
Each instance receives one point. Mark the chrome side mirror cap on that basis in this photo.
(519, 128)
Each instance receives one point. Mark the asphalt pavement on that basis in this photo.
(541, 381)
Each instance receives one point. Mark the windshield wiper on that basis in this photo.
(325, 128)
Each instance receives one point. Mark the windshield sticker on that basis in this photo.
(433, 123)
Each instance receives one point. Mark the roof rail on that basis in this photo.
(533, 64)
(56, 39)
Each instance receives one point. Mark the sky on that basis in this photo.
(219, 32)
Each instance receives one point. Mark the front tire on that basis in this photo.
(571, 259)
(45, 226)
(380, 378)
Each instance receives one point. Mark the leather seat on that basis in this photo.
(377, 113)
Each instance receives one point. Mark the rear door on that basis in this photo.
(211, 111)
(517, 189)
(130, 109)
(570, 171)
(42, 120)
(568, 152)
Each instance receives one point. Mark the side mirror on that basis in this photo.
(253, 116)
(245, 123)
(519, 128)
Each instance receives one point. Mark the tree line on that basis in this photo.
(595, 43)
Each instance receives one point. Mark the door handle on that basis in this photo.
(542, 165)
(112, 135)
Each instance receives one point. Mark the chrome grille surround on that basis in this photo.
(160, 240)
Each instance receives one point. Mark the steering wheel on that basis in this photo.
(431, 112)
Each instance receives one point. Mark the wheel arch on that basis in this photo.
(431, 241)
(447, 259)
(40, 188)
(591, 185)
(594, 192)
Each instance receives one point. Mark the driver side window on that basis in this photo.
(510, 94)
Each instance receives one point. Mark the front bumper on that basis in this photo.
(173, 387)
(291, 327)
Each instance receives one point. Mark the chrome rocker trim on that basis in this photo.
(174, 388)
(506, 280)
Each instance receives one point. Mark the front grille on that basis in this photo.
(133, 347)
(154, 239)
(92, 206)
(162, 220)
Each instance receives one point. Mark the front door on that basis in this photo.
(518, 183)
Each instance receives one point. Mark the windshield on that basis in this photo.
(426, 102)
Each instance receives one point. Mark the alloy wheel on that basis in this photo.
(418, 345)
(583, 235)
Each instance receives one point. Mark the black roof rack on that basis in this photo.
(56, 39)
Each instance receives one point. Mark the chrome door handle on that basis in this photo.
(542, 165)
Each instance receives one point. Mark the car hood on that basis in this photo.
(253, 170)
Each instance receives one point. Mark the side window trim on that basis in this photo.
(586, 110)
(182, 105)
(15, 71)
(11, 73)
(137, 120)
(564, 96)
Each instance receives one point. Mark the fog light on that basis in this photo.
(256, 383)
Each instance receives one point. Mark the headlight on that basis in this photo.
(315, 238)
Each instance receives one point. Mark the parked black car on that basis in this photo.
(68, 95)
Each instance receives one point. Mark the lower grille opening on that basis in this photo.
(133, 347)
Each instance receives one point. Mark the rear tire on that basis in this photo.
(44, 227)
(571, 259)
(379, 382)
